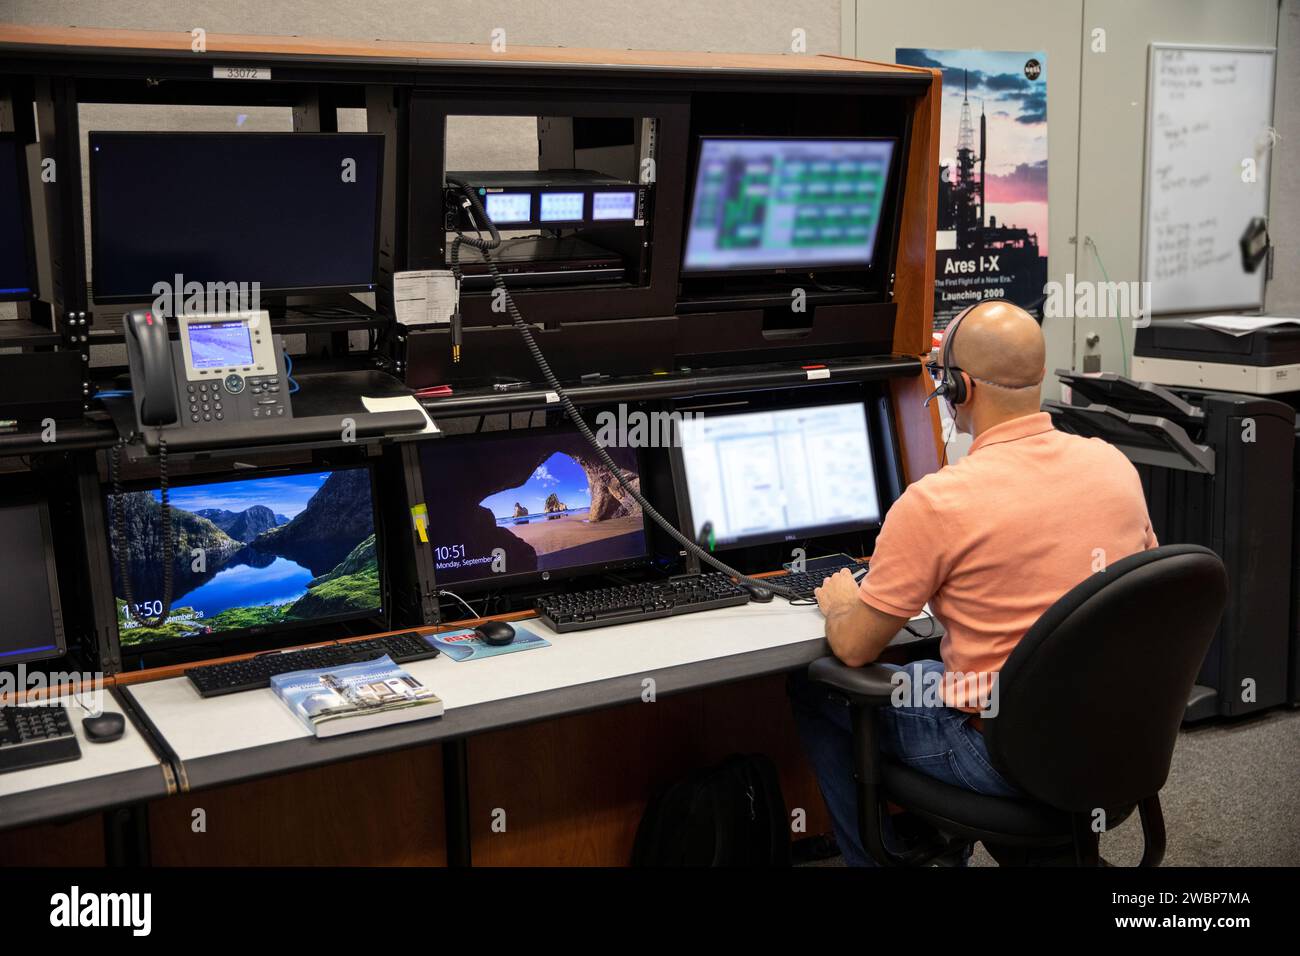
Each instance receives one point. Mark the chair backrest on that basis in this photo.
(1090, 700)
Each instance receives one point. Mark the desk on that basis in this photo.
(242, 736)
(107, 776)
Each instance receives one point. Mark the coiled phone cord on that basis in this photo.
(119, 534)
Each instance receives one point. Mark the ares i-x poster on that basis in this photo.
(991, 240)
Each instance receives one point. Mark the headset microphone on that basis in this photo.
(954, 384)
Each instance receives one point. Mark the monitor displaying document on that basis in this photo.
(759, 477)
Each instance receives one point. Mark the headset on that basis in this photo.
(957, 385)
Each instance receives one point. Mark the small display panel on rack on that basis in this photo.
(549, 199)
(252, 554)
(17, 252)
(533, 503)
(29, 587)
(613, 206)
(783, 204)
(508, 208)
(289, 212)
(772, 475)
(562, 206)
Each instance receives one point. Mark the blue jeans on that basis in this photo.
(937, 741)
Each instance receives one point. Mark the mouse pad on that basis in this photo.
(464, 646)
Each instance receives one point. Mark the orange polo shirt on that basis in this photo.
(995, 539)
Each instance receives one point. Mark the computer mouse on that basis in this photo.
(105, 728)
(757, 594)
(496, 633)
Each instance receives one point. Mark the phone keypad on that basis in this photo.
(205, 402)
(252, 398)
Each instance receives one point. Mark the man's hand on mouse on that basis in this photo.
(838, 593)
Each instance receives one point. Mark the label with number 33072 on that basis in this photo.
(241, 72)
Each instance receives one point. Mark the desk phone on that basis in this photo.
(224, 369)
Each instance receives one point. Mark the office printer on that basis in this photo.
(1218, 470)
(1177, 352)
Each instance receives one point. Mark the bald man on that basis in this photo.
(990, 543)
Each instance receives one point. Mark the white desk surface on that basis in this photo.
(98, 762)
(197, 728)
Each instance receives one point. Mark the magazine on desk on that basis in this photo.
(339, 700)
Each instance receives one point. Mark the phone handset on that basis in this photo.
(149, 357)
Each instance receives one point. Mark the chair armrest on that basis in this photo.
(872, 684)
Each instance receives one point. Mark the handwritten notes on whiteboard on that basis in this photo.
(1209, 116)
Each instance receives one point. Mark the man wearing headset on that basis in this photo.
(990, 543)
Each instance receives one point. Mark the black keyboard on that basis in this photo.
(35, 737)
(213, 680)
(603, 607)
(803, 583)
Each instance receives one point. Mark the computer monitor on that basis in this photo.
(251, 554)
(528, 504)
(764, 205)
(294, 212)
(29, 587)
(763, 476)
(17, 251)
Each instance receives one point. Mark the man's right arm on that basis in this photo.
(857, 632)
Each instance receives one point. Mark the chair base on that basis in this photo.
(1016, 832)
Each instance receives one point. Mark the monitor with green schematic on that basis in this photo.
(780, 204)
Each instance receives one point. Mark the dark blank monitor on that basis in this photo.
(294, 212)
(760, 477)
(17, 263)
(780, 204)
(29, 587)
(529, 504)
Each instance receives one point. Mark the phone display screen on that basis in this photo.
(220, 344)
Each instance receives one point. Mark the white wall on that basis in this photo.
(1282, 296)
(730, 25)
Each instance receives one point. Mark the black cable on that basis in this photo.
(485, 246)
(934, 626)
(119, 534)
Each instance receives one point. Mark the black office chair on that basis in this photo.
(1089, 705)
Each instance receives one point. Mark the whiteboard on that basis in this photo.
(1209, 109)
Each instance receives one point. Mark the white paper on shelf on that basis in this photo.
(400, 403)
(1239, 325)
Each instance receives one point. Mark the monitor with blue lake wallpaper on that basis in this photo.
(259, 552)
